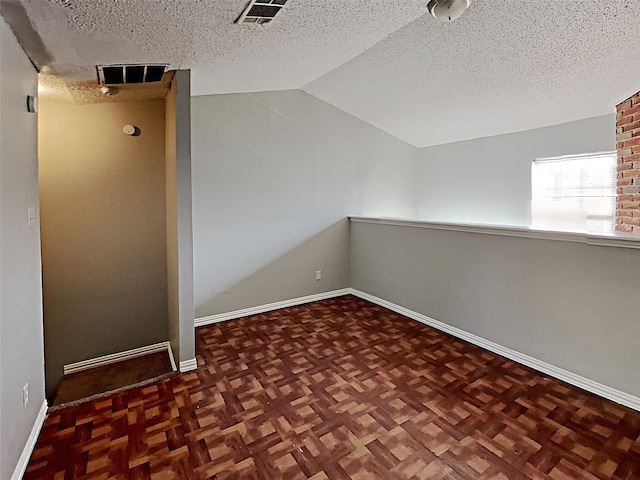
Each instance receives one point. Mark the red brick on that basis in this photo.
(624, 136)
(629, 206)
(624, 151)
(624, 212)
(630, 126)
(624, 182)
(630, 158)
(624, 105)
(624, 229)
(626, 112)
(631, 111)
(623, 120)
(625, 166)
(633, 142)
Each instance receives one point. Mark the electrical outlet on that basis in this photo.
(25, 395)
(318, 274)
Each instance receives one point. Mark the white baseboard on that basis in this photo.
(586, 384)
(222, 317)
(117, 357)
(23, 461)
(188, 365)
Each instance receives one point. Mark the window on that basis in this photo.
(574, 193)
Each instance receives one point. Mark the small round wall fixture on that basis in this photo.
(129, 129)
(447, 10)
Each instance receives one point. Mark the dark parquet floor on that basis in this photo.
(342, 389)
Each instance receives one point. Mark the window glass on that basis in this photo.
(574, 193)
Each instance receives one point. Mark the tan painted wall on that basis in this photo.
(102, 197)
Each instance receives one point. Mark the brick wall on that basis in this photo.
(628, 146)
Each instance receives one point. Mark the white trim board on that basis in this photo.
(23, 461)
(118, 357)
(245, 312)
(599, 389)
(171, 357)
(619, 240)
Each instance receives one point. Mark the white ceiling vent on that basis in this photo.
(261, 11)
(124, 74)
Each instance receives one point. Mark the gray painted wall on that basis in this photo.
(178, 211)
(274, 176)
(21, 346)
(568, 304)
(488, 180)
(103, 230)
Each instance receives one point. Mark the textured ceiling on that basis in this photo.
(56, 89)
(505, 65)
(307, 39)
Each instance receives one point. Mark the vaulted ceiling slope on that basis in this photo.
(504, 66)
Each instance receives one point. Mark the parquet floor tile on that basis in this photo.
(342, 389)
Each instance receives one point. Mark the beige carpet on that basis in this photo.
(108, 379)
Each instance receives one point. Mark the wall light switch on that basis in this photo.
(31, 216)
(318, 274)
(25, 395)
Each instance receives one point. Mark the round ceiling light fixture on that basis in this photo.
(447, 10)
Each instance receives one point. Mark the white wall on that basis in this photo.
(179, 220)
(274, 176)
(488, 180)
(21, 338)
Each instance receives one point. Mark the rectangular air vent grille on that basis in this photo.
(261, 11)
(125, 74)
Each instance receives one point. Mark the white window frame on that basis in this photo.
(574, 193)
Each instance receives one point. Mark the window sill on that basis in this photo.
(614, 240)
